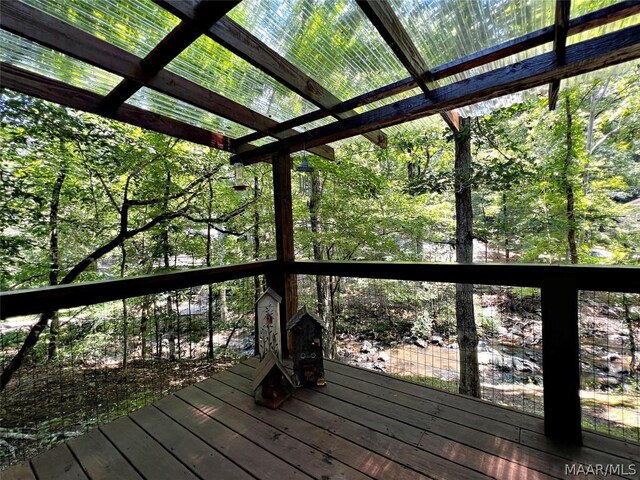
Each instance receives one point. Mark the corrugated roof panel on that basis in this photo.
(332, 41)
(172, 108)
(133, 26)
(49, 63)
(209, 64)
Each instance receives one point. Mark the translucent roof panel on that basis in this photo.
(332, 41)
(208, 64)
(43, 61)
(446, 30)
(172, 108)
(133, 26)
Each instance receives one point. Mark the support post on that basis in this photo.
(284, 283)
(561, 359)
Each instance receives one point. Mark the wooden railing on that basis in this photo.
(559, 291)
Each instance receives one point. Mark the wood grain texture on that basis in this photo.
(21, 471)
(148, 456)
(100, 459)
(560, 30)
(57, 464)
(603, 51)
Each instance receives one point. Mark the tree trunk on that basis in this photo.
(125, 313)
(54, 254)
(210, 286)
(465, 320)
(166, 257)
(568, 187)
(322, 295)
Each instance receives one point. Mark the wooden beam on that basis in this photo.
(600, 52)
(46, 30)
(237, 40)
(284, 283)
(577, 25)
(561, 27)
(183, 35)
(35, 85)
(38, 300)
(381, 15)
(561, 346)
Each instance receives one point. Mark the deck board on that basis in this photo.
(362, 425)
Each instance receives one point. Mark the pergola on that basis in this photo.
(514, 49)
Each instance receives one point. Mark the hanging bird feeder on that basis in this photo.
(238, 177)
(305, 176)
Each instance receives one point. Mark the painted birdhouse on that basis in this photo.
(272, 384)
(308, 367)
(268, 315)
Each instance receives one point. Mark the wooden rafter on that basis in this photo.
(22, 81)
(577, 25)
(382, 16)
(586, 56)
(237, 40)
(561, 27)
(183, 35)
(40, 27)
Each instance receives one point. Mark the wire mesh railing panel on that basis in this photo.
(610, 363)
(109, 359)
(409, 329)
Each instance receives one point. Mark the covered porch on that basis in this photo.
(363, 424)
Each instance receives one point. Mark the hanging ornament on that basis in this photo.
(305, 176)
(238, 175)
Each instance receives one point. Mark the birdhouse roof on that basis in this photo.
(268, 363)
(271, 292)
(301, 314)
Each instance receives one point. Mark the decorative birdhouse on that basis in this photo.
(308, 367)
(272, 384)
(268, 315)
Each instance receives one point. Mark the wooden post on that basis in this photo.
(283, 283)
(561, 359)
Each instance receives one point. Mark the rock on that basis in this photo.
(344, 353)
(516, 330)
(614, 357)
(359, 359)
(436, 340)
(366, 347)
(379, 367)
(420, 343)
(454, 346)
(383, 357)
(502, 331)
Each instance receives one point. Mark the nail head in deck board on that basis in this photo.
(57, 464)
(256, 460)
(100, 459)
(143, 452)
(184, 445)
(362, 459)
(21, 471)
(281, 444)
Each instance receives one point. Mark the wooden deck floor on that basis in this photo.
(361, 425)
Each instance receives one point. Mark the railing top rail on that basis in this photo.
(587, 277)
(598, 278)
(38, 300)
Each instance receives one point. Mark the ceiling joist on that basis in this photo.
(22, 81)
(237, 40)
(46, 30)
(382, 16)
(577, 25)
(561, 27)
(183, 35)
(583, 57)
